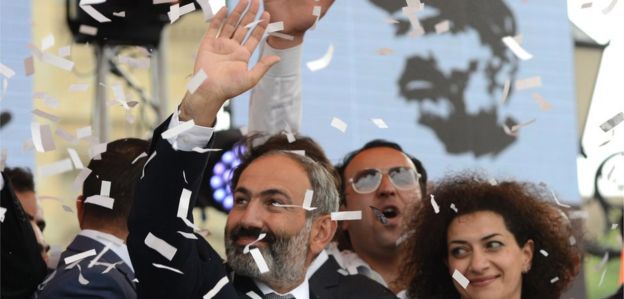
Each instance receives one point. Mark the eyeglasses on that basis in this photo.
(368, 180)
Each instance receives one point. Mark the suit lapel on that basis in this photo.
(324, 279)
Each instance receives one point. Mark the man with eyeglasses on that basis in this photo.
(385, 183)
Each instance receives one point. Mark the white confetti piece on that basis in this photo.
(380, 123)
(183, 204)
(147, 162)
(515, 48)
(97, 149)
(282, 35)
(316, 11)
(391, 21)
(188, 235)
(603, 262)
(97, 258)
(434, 204)
(544, 252)
(73, 155)
(47, 42)
(300, 153)
(103, 201)
(196, 81)
(554, 279)
(177, 130)
(322, 62)
(174, 13)
(572, 240)
(602, 277)
(190, 7)
(47, 99)
(614, 226)
(80, 178)
(140, 63)
(161, 246)
(252, 24)
(79, 87)
(205, 150)
(259, 259)
(454, 208)
(57, 61)
(88, 30)
(253, 295)
(557, 200)
(56, 168)
(543, 104)
(83, 281)
(346, 215)
(461, 279)
(83, 132)
(94, 13)
(64, 51)
(294, 206)
(163, 1)
(587, 5)
(260, 237)
(610, 7)
(42, 138)
(6, 71)
(29, 66)
(79, 256)
(612, 122)
(416, 27)
(210, 7)
(218, 286)
(46, 115)
(307, 199)
(191, 224)
(120, 14)
(167, 268)
(2, 212)
(105, 188)
(506, 87)
(142, 155)
(339, 124)
(531, 82)
(517, 127)
(442, 27)
(274, 27)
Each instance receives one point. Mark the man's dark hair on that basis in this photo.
(116, 167)
(377, 143)
(280, 142)
(21, 179)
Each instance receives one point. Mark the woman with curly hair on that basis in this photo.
(478, 239)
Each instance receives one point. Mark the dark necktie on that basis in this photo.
(276, 296)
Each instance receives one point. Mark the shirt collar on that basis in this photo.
(116, 245)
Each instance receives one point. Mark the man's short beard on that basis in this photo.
(285, 258)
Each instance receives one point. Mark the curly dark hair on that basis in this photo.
(526, 215)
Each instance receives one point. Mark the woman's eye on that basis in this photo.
(458, 252)
(494, 244)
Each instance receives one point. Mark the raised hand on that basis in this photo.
(225, 59)
(297, 17)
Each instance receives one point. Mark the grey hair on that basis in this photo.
(326, 198)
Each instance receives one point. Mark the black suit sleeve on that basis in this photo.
(154, 211)
(23, 267)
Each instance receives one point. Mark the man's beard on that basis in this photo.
(285, 256)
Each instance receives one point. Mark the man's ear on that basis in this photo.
(80, 209)
(323, 230)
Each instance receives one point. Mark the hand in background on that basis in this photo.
(297, 17)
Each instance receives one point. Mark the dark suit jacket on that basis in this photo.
(65, 283)
(21, 262)
(328, 283)
(155, 211)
